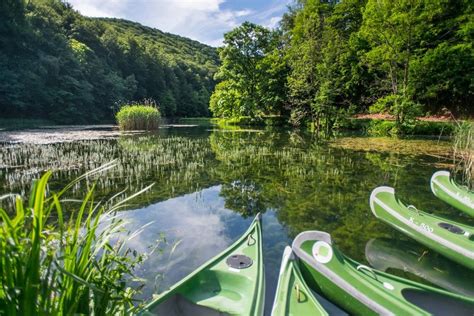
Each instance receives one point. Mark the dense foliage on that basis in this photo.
(332, 58)
(138, 117)
(58, 259)
(59, 65)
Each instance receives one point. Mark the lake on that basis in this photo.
(209, 183)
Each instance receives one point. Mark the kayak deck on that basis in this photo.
(232, 283)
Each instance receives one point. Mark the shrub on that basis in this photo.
(138, 117)
(58, 263)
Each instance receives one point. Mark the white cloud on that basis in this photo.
(202, 20)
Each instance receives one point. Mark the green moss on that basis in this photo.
(138, 117)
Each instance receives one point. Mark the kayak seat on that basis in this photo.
(437, 304)
(221, 290)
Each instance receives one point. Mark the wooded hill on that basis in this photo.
(58, 65)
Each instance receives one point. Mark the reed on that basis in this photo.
(464, 152)
(144, 116)
(54, 262)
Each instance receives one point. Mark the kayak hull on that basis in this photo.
(444, 188)
(222, 286)
(451, 239)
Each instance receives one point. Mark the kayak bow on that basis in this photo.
(232, 283)
(444, 188)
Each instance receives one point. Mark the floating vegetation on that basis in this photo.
(395, 145)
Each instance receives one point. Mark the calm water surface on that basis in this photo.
(209, 184)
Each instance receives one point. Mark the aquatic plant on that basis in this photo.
(175, 164)
(138, 116)
(464, 152)
(59, 258)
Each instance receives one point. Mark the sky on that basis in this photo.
(202, 20)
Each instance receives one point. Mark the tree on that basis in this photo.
(250, 73)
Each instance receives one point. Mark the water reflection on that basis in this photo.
(209, 184)
(196, 227)
(401, 257)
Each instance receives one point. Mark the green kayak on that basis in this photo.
(293, 297)
(361, 290)
(444, 187)
(451, 239)
(411, 257)
(232, 283)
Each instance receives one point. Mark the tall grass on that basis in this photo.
(144, 116)
(58, 262)
(464, 152)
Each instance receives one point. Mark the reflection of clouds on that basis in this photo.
(196, 221)
(203, 227)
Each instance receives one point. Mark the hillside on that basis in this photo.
(58, 65)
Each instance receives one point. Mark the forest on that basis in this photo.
(326, 61)
(330, 59)
(58, 65)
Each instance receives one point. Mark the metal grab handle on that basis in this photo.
(412, 207)
(250, 237)
(369, 269)
(298, 293)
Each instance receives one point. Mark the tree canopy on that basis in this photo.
(331, 58)
(62, 66)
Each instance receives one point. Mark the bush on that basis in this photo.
(138, 117)
(58, 263)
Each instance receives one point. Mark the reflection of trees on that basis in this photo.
(311, 185)
(314, 186)
(243, 197)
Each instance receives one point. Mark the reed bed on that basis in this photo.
(171, 162)
(464, 152)
(56, 259)
(138, 117)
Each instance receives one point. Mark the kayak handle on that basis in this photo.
(361, 267)
(412, 207)
(249, 238)
(298, 293)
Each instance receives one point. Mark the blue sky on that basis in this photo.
(202, 20)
